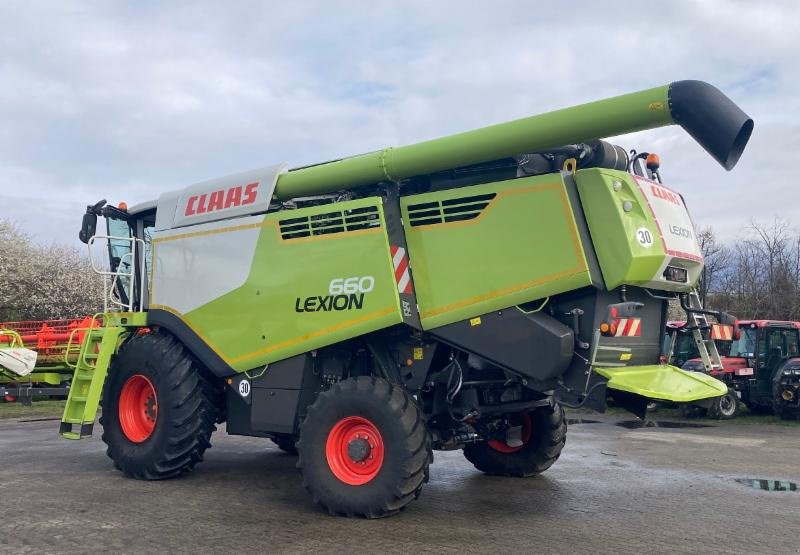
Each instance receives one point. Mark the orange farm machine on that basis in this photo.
(38, 357)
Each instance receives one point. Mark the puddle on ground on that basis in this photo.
(573, 421)
(638, 424)
(768, 485)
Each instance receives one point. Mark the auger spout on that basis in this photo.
(709, 116)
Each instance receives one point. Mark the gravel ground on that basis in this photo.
(613, 490)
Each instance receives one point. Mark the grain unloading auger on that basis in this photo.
(449, 294)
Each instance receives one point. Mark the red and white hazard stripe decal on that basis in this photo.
(721, 331)
(629, 327)
(401, 274)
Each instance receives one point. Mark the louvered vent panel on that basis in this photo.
(330, 222)
(450, 210)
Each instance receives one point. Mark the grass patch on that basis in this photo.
(39, 409)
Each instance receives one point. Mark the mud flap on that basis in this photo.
(638, 384)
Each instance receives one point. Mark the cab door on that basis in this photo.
(772, 351)
(120, 233)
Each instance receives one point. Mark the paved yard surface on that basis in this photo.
(613, 490)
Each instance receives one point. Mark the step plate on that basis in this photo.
(663, 382)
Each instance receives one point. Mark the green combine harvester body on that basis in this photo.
(485, 278)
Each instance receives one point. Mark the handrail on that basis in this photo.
(110, 294)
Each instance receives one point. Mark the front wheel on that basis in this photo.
(364, 448)
(724, 407)
(784, 402)
(542, 437)
(158, 409)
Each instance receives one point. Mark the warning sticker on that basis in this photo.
(672, 219)
(644, 237)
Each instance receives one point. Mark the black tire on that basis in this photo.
(286, 443)
(186, 409)
(691, 411)
(781, 408)
(405, 439)
(725, 407)
(548, 436)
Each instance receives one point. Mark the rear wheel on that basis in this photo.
(158, 409)
(364, 448)
(724, 407)
(781, 399)
(543, 435)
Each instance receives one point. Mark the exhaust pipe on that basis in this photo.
(709, 116)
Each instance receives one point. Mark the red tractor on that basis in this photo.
(762, 369)
(680, 347)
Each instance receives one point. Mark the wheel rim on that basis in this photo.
(727, 405)
(527, 433)
(354, 450)
(138, 408)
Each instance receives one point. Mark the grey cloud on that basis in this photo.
(125, 100)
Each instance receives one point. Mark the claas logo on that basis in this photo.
(240, 195)
(665, 194)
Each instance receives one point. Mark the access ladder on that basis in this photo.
(698, 324)
(91, 367)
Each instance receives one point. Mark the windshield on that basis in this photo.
(745, 346)
(119, 256)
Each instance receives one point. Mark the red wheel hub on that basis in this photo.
(527, 433)
(354, 450)
(138, 408)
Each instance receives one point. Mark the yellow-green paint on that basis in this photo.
(258, 322)
(99, 345)
(523, 246)
(622, 259)
(618, 115)
(663, 382)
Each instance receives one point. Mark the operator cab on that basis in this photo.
(766, 344)
(129, 236)
(775, 345)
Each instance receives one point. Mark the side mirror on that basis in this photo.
(727, 319)
(88, 227)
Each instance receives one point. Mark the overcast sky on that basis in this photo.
(124, 100)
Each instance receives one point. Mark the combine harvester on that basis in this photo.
(451, 294)
(37, 357)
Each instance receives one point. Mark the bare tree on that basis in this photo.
(762, 279)
(716, 258)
